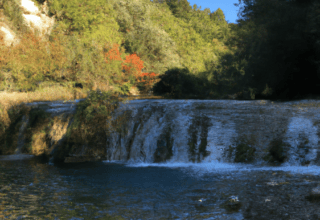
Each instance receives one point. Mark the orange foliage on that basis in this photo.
(147, 78)
(132, 65)
(113, 54)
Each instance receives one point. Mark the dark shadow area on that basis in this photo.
(180, 83)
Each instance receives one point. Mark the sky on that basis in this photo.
(230, 11)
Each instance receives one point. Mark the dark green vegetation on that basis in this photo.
(279, 41)
(91, 125)
(276, 152)
(313, 197)
(244, 151)
(273, 51)
(198, 152)
(9, 138)
(164, 147)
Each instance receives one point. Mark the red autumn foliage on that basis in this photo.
(132, 65)
(147, 78)
(113, 54)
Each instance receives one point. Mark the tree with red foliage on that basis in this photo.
(132, 65)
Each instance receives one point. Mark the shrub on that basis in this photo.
(180, 83)
(91, 123)
(276, 151)
(244, 153)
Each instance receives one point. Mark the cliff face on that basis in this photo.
(35, 19)
(37, 128)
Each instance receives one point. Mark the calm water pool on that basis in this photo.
(30, 189)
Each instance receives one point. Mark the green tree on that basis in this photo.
(278, 47)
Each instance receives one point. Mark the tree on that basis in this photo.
(278, 47)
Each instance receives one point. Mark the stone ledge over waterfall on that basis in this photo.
(158, 131)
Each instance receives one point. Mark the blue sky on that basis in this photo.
(230, 11)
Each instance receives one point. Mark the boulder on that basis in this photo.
(314, 195)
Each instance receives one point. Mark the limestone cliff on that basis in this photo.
(35, 19)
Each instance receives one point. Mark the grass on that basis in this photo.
(8, 101)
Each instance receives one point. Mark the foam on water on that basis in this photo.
(311, 170)
(221, 167)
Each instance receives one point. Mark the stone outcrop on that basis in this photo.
(9, 37)
(36, 20)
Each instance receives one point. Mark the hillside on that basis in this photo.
(63, 43)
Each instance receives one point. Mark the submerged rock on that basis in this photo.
(314, 195)
(232, 204)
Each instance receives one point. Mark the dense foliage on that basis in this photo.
(279, 40)
(112, 45)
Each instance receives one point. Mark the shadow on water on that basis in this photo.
(120, 191)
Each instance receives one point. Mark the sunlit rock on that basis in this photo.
(29, 7)
(9, 37)
(232, 204)
(41, 23)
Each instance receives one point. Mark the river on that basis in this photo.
(129, 184)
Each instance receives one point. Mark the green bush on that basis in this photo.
(276, 151)
(244, 153)
(91, 124)
(180, 83)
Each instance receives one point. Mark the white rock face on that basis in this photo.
(35, 20)
(29, 7)
(8, 36)
(41, 23)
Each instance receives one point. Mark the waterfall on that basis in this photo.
(303, 139)
(21, 138)
(202, 131)
(196, 131)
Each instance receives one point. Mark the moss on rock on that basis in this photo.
(244, 153)
(164, 147)
(276, 152)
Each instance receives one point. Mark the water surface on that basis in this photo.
(104, 190)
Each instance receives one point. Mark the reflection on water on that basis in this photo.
(34, 190)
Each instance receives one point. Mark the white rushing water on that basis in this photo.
(204, 134)
(174, 133)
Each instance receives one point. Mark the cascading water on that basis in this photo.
(21, 139)
(302, 136)
(194, 131)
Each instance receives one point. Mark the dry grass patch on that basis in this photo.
(10, 100)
